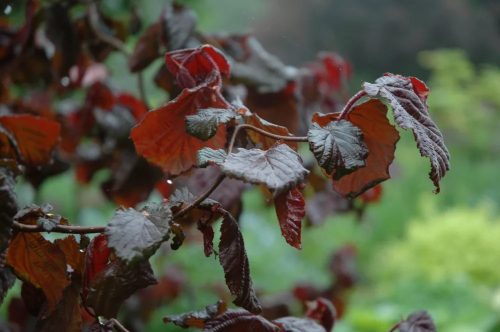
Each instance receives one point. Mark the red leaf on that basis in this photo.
(379, 136)
(100, 95)
(264, 141)
(290, 209)
(372, 195)
(34, 137)
(96, 259)
(161, 136)
(420, 88)
(234, 260)
(194, 66)
(134, 105)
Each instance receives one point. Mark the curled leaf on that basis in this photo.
(290, 209)
(408, 99)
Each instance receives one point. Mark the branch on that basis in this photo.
(265, 133)
(350, 103)
(118, 325)
(67, 229)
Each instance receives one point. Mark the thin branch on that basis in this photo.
(142, 90)
(66, 229)
(118, 325)
(350, 103)
(200, 198)
(265, 133)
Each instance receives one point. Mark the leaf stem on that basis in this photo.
(119, 326)
(265, 133)
(350, 103)
(67, 229)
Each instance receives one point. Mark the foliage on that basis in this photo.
(217, 85)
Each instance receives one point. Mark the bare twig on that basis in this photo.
(66, 229)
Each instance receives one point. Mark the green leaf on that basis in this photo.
(338, 147)
(208, 156)
(279, 168)
(204, 124)
(136, 235)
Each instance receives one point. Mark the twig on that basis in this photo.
(66, 229)
(265, 133)
(118, 325)
(94, 24)
(350, 103)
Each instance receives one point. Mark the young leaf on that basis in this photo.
(208, 237)
(35, 137)
(136, 235)
(338, 147)
(407, 97)
(380, 138)
(419, 321)
(233, 258)
(204, 124)
(117, 282)
(279, 168)
(161, 136)
(290, 209)
(266, 142)
(323, 312)
(204, 65)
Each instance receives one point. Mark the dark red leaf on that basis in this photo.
(323, 312)
(147, 48)
(408, 99)
(234, 260)
(208, 238)
(240, 321)
(293, 324)
(96, 259)
(195, 66)
(290, 209)
(262, 141)
(114, 284)
(161, 136)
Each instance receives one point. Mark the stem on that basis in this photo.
(94, 24)
(67, 229)
(265, 133)
(118, 325)
(348, 106)
(200, 198)
(142, 91)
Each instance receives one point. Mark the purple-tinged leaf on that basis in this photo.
(419, 321)
(290, 209)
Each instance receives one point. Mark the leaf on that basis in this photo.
(208, 238)
(137, 235)
(233, 258)
(197, 318)
(266, 142)
(178, 23)
(407, 97)
(338, 147)
(35, 137)
(293, 324)
(147, 48)
(96, 259)
(66, 316)
(41, 263)
(208, 156)
(240, 321)
(290, 209)
(115, 283)
(161, 136)
(205, 123)
(279, 168)
(323, 312)
(204, 65)
(419, 321)
(380, 138)
(8, 206)
(75, 258)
